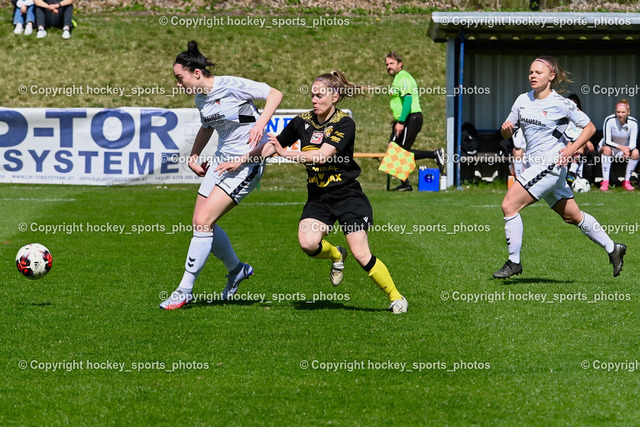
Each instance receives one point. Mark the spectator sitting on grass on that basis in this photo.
(54, 13)
(23, 13)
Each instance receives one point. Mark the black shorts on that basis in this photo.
(349, 206)
(412, 127)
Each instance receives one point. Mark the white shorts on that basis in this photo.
(237, 184)
(548, 182)
(615, 152)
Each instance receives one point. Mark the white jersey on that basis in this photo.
(228, 108)
(544, 122)
(615, 134)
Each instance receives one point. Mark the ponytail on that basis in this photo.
(337, 82)
(562, 79)
(192, 59)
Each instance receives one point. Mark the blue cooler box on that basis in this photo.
(429, 179)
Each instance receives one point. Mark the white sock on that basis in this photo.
(197, 255)
(631, 166)
(518, 165)
(574, 166)
(606, 167)
(223, 250)
(513, 232)
(593, 230)
(580, 169)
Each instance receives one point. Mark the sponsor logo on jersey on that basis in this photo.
(214, 117)
(531, 121)
(327, 131)
(317, 137)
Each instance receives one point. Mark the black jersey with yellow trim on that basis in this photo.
(339, 130)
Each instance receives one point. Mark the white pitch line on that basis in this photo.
(31, 199)
(273, 203)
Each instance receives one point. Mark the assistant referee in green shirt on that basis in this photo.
(407, 114)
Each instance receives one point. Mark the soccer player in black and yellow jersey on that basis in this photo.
(327, 137)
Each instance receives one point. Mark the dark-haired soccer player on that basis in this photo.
(226, 106)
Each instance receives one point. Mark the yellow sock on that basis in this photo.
(380, 275)
(328, 251)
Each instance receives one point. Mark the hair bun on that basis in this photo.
(192, 46)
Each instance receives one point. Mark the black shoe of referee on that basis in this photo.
(404, 186)
(509, 269)
(616, 258)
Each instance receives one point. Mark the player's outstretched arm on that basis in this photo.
(273, 102)
(256, 155)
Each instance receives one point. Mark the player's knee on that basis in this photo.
(507, 209)
(202, 222)
(573, 218)
(308, 245)
(606, 151)
(362, 255)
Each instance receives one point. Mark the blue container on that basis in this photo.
(429, 179)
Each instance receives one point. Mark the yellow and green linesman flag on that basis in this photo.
(398, 162)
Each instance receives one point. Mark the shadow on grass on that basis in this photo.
(530, 281)
(40, 304)
(298, 305)
(35, 304)
(217, 302)
(330, 305)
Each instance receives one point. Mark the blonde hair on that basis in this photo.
(562, 79)
(337, 81)
(625, 103)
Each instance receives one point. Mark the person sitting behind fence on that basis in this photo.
(514, 147)
(23, 16)
(54, 13)
(571, 134)
(620, 134)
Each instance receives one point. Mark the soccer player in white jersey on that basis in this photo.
(620, 134)
(226, 106)
(542, 114)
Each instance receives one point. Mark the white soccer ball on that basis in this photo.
(33, 261)
(581, 185)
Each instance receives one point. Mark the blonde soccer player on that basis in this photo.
(226, 106)
(619, 137)
(543, 114)
(327, 137)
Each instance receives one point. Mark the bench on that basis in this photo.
(488, 164)
(492, 163)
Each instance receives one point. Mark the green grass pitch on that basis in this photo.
(278, 357)
(471, 350)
